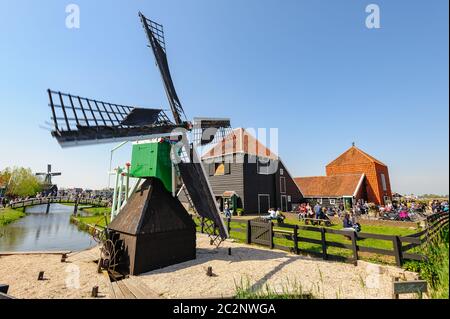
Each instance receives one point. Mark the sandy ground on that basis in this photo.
(248, 266)
(255, 267)
(73, 279)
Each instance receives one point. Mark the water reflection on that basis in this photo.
(41, 231)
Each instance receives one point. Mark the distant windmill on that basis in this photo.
(48, 175)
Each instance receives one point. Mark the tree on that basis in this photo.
(22, 182)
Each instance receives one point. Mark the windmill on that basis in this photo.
(157, 138)
(50, 188)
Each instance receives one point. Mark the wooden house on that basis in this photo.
(352, 176)
(245, 174)
(331, 191)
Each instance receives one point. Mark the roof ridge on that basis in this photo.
(368, 156)
(238, 134)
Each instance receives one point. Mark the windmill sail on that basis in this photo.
(194, 178)
(81, 121)
(155, 35)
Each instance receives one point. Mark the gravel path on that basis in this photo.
(248, 266)
(251, 266)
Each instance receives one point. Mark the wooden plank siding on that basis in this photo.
(255, 184)
(234, 181)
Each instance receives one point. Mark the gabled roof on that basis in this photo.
(240, 141)
(329, 186)
(352, 154)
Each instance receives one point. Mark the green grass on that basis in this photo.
(96, 216)
(435, 270)
(8, 215)
(97, 211)
(98, 220)
(342, 252)
(289, 290)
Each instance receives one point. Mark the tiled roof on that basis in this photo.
(329, 186)
(240, 141)
(352, 154)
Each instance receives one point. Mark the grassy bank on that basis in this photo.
(289, 290)
(435, 270)
(99, 216)
(8, 215)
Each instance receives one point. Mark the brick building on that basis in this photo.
(355, 161)
(352, 176)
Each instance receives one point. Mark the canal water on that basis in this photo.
(39, 231)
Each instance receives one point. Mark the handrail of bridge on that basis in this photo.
(59, 199)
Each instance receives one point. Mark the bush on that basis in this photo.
(436, 269)
(240, 211)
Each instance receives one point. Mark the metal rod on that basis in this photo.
(53, 109)
(64, 111)
(114, 203)
(99, 112)
(114, 113)
(92, 112)
(82, 109)
(119, 200)
(73, 109)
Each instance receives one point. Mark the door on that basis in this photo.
(348, 203)
(284, 206)
(263, 204)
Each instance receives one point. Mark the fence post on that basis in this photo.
(398, 251)
(296, 251)
(229, 225)
(249, 232)
(271, 234)
(202, 224)
(324, 244)
(355, 248)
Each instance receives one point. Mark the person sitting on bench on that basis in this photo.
(348, 224)
(272, 215)
(279, 216)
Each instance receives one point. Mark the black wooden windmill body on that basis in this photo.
(82, 121)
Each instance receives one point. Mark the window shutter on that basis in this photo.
(227, 168)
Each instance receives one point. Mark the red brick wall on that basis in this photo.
(381, 193)
(373, 173)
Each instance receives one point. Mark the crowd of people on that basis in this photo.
(6, 201)
(401, 211)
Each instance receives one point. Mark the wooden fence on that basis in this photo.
(58, 199)
(403, 247)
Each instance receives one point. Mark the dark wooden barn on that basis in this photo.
(244, 174)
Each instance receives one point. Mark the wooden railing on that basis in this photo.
(58, 199)
(403, 247)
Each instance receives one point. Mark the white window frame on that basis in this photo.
(332, 201)
(284, 196)
(257, 168)
(319, 200)
(383, 182)
(281, 171)
(282, 178)
(259, 206)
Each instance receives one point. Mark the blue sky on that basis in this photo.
(310, 68)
